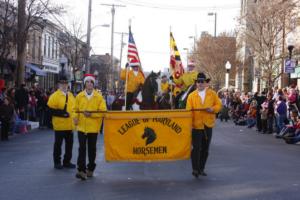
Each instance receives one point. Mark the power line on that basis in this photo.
(176, 8)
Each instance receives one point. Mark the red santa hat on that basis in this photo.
(134, 63)
(191, 64)
(89, 77)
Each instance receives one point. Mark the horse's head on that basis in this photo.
(150, 135)
(152, 81)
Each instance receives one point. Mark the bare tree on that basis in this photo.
(264, 28)
(211, 55)
(72, 46)
(29, 14)
(7, 31)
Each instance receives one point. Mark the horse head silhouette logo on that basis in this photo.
(150, 135)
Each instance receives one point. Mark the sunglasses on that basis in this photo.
(200, 80)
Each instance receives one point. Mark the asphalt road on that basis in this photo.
(242, 165)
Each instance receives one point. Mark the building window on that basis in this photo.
(40, 48)
(56, 51)
(45, 45)
(33, 46)
(53, 48)
(49, 46)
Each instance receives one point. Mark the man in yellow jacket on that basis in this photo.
(204, 103)
(89, 107)
(188, 78)
(61, 104)
(135, 80)
(164, 85)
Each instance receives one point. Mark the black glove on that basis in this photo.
(127, 65)
(171, 78)
(59, 113)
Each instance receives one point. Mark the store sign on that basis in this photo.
(289, 66)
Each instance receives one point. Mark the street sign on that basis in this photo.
(289, 66)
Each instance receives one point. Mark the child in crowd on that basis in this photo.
(264, 116)
(251, 115)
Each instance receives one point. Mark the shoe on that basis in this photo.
(58, 166)
(202, 173)
(89, 173)
(195, 174)
(69, 165)
(81, 175)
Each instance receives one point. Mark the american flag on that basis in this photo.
(133, 54)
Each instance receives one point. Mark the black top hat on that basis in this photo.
(63, 78)
(201, 77)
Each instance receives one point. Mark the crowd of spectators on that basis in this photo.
(272, 112)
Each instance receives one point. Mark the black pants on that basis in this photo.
(258, 122)
(264, 125)
(4, 130)
(90, 140)
(59, 137)
(270, 124)
(200, 140)
(129, 99)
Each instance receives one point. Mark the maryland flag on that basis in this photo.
(175, 61)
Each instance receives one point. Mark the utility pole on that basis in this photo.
(88, 40)
(122, 45)
(113, 11)
(21, 42)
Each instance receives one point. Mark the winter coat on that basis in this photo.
(133, 81)
(201, 118)
(187, 79)
(6, 113)
(93, 123)
(57, 102)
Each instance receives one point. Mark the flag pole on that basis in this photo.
(127, 70)
(171, 73)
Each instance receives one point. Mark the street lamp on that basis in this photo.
(228, 67)
(194, 41)
(187, 56)
(290, 46)
(96, 73)
(215, 14)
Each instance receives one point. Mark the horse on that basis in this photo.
(149, 91)
(149, 134)
(144, 98)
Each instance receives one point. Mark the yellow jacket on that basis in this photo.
(164, 87)
(93, 123)
(176, 90)
(201, 118)
(187, 79)
(133, 82)
(57, 101)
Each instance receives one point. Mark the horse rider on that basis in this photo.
(135, 80)
(187, 78)
(164, 85)
(61, 104)
(89, 105)
(204, 103)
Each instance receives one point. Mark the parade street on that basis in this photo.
(242, 165)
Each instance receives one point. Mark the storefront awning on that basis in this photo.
(37, 70)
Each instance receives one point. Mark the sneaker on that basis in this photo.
(195, 173)
(81, 175)
(89, 173)
(69, 165)
(58, 166)
(202, 173)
